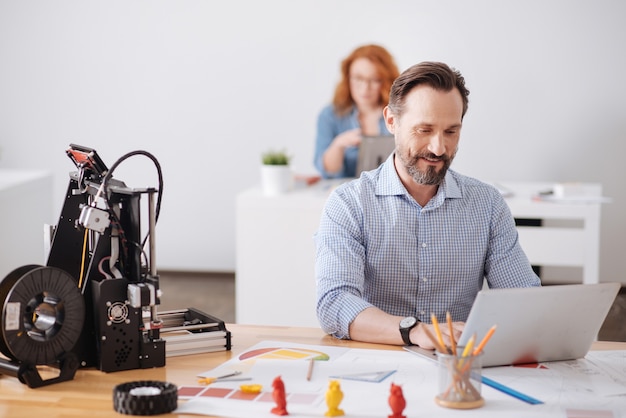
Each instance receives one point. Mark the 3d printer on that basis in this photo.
(95, 302)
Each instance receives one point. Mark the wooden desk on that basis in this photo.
(90, 393)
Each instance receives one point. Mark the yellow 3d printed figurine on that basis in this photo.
(334, 396)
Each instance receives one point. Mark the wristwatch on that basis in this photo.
(406, 325)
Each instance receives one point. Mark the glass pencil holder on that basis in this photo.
(460, 381)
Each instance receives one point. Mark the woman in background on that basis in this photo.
(356, 110)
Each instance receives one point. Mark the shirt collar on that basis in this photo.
(389, 183)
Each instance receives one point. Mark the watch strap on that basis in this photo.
(405, 332)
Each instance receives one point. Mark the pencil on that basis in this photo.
(464, 364)
(432, 339)
(309, 372)
(452, 341)
(468, 347)
(488, 335)
(509, 391)
(433, 318)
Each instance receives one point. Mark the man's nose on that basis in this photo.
(437, 145)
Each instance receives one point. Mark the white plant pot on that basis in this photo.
(276, 179)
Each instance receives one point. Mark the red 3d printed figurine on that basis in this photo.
(396, 401)
(279, 397)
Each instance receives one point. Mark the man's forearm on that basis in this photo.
(375, 326)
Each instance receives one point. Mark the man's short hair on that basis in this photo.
(435, 74)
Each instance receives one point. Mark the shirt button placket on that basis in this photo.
(424, 245)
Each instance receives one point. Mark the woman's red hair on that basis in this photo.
(387, 71)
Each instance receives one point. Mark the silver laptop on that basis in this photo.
(373, 151)
(537, 324)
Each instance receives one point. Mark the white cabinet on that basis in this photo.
(570, 234)
(275, 277)
(275, 256)
(25, 207)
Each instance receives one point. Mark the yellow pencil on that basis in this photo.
(469, 346)
(438, 347)
(452, 341)
(479, 347)
(433, 319)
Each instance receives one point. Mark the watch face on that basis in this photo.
(408, 322)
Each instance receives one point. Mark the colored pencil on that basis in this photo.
(451, 329)
(469, 346)
(309, 372)
(432, 339)
(435, 322)
(509, 391)
(479, 347)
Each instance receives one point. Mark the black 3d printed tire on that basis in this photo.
(145, 397)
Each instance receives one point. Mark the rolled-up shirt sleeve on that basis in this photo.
(340, 267)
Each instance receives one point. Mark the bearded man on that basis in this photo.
(414, 238)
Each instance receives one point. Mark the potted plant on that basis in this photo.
(276, 175)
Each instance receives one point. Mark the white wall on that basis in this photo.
(206, 86)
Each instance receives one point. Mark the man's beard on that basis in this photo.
(431, 176)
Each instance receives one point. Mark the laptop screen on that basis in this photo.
(373, 151)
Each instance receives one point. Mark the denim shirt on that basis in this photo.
(329, 125)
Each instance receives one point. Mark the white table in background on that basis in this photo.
(275, 277)
(25, 206)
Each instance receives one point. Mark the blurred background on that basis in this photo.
(208, 86)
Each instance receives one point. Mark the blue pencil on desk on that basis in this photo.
(509, 391)
(499, 386)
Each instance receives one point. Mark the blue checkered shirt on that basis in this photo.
(376, 246)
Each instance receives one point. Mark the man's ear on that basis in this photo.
(389, 119)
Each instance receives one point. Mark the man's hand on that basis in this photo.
(420, 337)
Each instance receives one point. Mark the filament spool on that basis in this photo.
(42, 316)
